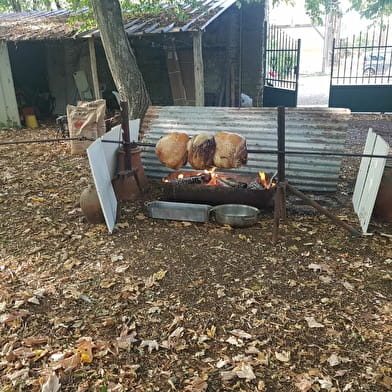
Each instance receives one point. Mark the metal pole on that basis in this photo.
(281, 144)
(125, 129)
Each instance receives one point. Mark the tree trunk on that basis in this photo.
(120, 56)
(16, 6)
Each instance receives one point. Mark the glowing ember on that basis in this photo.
(213, 176)
(180, 176)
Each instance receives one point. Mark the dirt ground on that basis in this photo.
(178, 306)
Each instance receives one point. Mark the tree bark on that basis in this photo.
(121, 59)
(16, 6)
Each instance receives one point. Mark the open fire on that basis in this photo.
(211, 178)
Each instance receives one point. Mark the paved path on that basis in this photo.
(313, 90)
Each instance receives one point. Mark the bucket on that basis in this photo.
(31, 121)
(383, 205)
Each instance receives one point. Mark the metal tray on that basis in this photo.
(178, 211)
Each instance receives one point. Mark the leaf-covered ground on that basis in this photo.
(176, 306)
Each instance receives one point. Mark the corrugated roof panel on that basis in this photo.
(53, 24)
(307, 129)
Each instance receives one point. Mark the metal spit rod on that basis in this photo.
(250, 151)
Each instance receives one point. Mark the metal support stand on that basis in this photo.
(282, 187)
(126, 185)
(324, 211)
(280, 195)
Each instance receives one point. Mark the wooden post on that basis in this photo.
(94, 71)
(198, 68)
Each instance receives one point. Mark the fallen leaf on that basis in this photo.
(325, 383)
(283, 356)
(125, 341)
(333, 360)
(122, 225)
(221, 363)
(325, 279)
(314, 267)
(211, 331)
(69, 363)
(35, 340)
(312, 323)
(160, 274)
(84, 348)
(52, 384)
(348, 285)
(245, 371)
(304, 383)
(234, 341)
(347, 387)
(150, 344)
(197, 384)
(239, 333)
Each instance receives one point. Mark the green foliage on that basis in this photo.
(371, 9)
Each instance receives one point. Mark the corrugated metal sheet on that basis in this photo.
(37, 25)
(307, 129)
(51, 25)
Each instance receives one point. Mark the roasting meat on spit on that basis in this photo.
(224, 150)
(201, 149)
(171, 149)
(230, 151)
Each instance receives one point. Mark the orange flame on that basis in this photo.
(263, 180)
(180, 176)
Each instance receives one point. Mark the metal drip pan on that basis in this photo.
(178, 211)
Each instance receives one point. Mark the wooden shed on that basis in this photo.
(207, 60)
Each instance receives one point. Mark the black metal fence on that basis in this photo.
(281, 68)
(365, 58)
(361, 72)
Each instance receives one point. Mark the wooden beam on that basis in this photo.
(94, 70)
(175, 75)
(198, 68)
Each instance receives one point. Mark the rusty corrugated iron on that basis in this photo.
(307, 129)
(53, 25)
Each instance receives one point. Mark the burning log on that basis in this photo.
(232, 182)
(198, 179)
(265, 181)
(256, 186)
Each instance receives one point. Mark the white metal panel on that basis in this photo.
(307, 129)
(110, 149)
(115, 134)
(134, 129)
(372, 183)
(82, 85)
(103, 183)
(9, 115)
(363, 169)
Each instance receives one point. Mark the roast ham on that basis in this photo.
(201, 149)
(230, 151)
(171, 149)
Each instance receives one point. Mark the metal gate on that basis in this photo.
(361, 72)
(281, 69)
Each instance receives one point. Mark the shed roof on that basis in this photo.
(52, 25)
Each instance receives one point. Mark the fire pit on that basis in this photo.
(211, 187)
